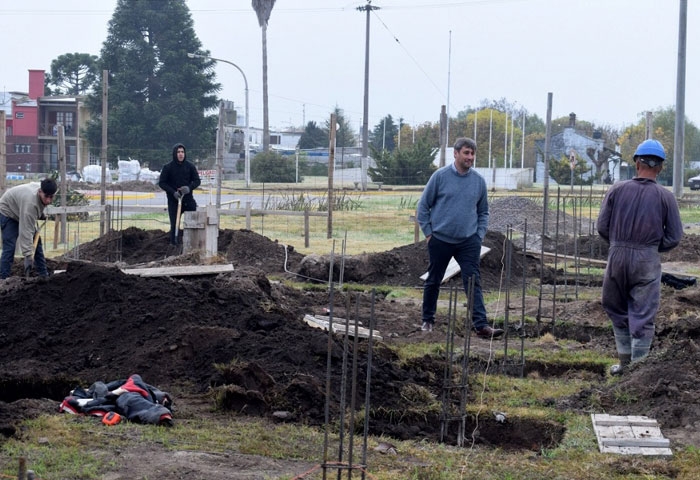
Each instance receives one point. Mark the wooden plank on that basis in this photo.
(632, 423)
(453, 267)
(326, 318)
(582, 260)
(362, 332)
(179, 271)
(636, 442)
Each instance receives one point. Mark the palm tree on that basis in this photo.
(263, 9)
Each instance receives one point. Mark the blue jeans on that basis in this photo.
(467, 254)
(10, 233)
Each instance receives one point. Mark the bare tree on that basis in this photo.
(263, 9)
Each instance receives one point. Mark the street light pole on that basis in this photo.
(247, 120)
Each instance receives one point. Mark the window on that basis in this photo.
(23, 148)
(19, 114)
(65, 119)
(275, 139)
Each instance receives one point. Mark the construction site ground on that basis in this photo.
(94, 322)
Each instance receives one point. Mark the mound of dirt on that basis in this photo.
(95, 322)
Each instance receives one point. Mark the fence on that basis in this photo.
(371, 221)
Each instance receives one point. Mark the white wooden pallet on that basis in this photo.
(322, 322)
(453, 267)
(629, 435)
(179, 271)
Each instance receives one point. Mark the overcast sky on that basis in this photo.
(606, 60)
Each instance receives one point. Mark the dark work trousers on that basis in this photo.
(467, 254)
(188, 205)
(632, 289)
(10, 233)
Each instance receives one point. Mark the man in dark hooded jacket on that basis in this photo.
(179, 178)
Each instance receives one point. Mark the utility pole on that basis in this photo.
(365, 119)
(331, 168)
(447, 110)
(443, 135)
(547, 144)
(679, 136)
(220, 138)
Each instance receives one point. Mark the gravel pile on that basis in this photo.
(516, 211)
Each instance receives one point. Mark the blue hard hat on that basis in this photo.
(650, 147)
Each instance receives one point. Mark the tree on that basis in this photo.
(664, 123)
(272, 167)
(384, 134)
(313, 137)
(560, 171)
(263, 9)
(343, 134)
(73, 73)
(412, 165)
(157, 96)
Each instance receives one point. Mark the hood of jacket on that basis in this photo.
(178, 145)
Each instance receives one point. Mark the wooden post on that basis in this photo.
(306, 227)
(331, 167)
(247, 214)
(416, 229)
(22, 474)
(3, 153)
(56, 229)
(211, 232)
(193, 238)
(103, 151)
(62, 180)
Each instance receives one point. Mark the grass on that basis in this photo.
(378, 221)
(65, 446)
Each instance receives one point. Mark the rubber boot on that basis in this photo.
(640, 348)
(623, 343)
(625, 359)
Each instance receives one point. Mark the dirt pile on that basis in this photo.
(95, 322)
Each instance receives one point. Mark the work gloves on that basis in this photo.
(28, 265)
(184, 190)
(177, 195)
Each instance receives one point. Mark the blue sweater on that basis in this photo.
(454, 207)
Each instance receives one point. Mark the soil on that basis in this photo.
(92, 321)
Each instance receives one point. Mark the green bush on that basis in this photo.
(273, 167)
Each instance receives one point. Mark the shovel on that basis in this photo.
(177, 218)
(37, 235)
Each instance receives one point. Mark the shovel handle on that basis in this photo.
(37, 235)
(177, 217)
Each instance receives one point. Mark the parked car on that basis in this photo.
(694, 183)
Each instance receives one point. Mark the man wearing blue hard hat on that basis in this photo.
(640, 219)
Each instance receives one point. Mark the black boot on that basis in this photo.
(620, 367)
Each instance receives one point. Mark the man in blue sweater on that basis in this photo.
(453, 214)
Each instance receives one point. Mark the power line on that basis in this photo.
(410, 56)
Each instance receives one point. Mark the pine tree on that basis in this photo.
(157, 95)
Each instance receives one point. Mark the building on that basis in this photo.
(32, 130)
(602, 162)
